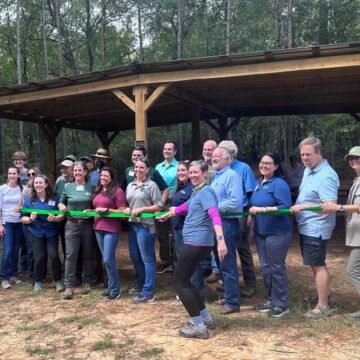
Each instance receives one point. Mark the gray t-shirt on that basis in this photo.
(147, 194)
(9, 201)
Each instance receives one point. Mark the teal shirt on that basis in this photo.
(169, 174)
(77, 197)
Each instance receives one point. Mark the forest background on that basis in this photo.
(43, 39)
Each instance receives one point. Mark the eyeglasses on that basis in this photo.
(31, 174)
(19, 160)
(263, 163)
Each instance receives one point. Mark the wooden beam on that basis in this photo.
(140, 93)
(125, 99)
(188, 97)
(105, 139)
(215, 128)
(220, 72)
(155, 95)
(355, 116)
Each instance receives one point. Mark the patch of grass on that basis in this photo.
(38, 350)
(80, 319)
(103, 345)
(70, 340)
(153, 352)
(25, 328)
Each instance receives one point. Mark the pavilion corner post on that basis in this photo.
(140, 92)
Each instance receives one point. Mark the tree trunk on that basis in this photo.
(89, 36)
(43, 33)
(103, 29)
(141, 49)
(180, 28)
(290, 26)
(228, 26)
(323, 22)
(18, 65)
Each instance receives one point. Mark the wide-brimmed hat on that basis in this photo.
(66, 163)
(101, 153)
(355, 151)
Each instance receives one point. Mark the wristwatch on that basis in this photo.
(220, 237)
(341, 208)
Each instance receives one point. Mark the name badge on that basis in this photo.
(80, 188)
(51, 202)
(131, 173)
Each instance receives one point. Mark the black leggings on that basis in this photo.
(188, 261)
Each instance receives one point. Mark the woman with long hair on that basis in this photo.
(143, 195)
(108, 197)
(272, 233)
(42, 230)
(77, 195)
(10, 227)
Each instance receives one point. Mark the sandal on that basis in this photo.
(318, 312)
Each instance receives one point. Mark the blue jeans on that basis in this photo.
(272, 252)
(11, 246)
(107, 242)
(179, 240)
(142, 254)
(228, 266)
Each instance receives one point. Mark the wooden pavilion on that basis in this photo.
(314, 80)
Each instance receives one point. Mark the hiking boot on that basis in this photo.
(193, 331)
(266, 307)
(277, 312)
(209, 323)
(225, 310)
(69, 293)
(86, 288)
(15, 280)
(5, 284)
(59, 287)
(37, 286)
(141, 299)
(214, 277)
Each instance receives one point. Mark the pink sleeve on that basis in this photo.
(215, 216)
(181, 209)
(120, 200)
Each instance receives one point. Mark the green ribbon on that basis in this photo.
(150, 215)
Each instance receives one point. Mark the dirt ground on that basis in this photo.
(44, 326)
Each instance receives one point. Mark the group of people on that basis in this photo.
(206, 203)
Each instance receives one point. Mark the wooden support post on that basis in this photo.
(195, 132)
(51, 131)
(140, 107)
(104, 138)
(140, 92)
(222, 129)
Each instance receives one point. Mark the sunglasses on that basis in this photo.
(31, 174)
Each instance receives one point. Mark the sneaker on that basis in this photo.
(86, 288)
(134, 291)
(192, 331)
(162, 268)
(210, 323)
(214, 277)
(141, 299)
(105, 294)
(113, 297)
(15, 280)
(37, 286)
(264, 308)
(353, 316)
(5, 284)
(277, 312)
(59, 286)
(69, 293)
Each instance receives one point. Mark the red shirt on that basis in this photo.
(112, 225)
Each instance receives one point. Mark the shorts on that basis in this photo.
(313, 250)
